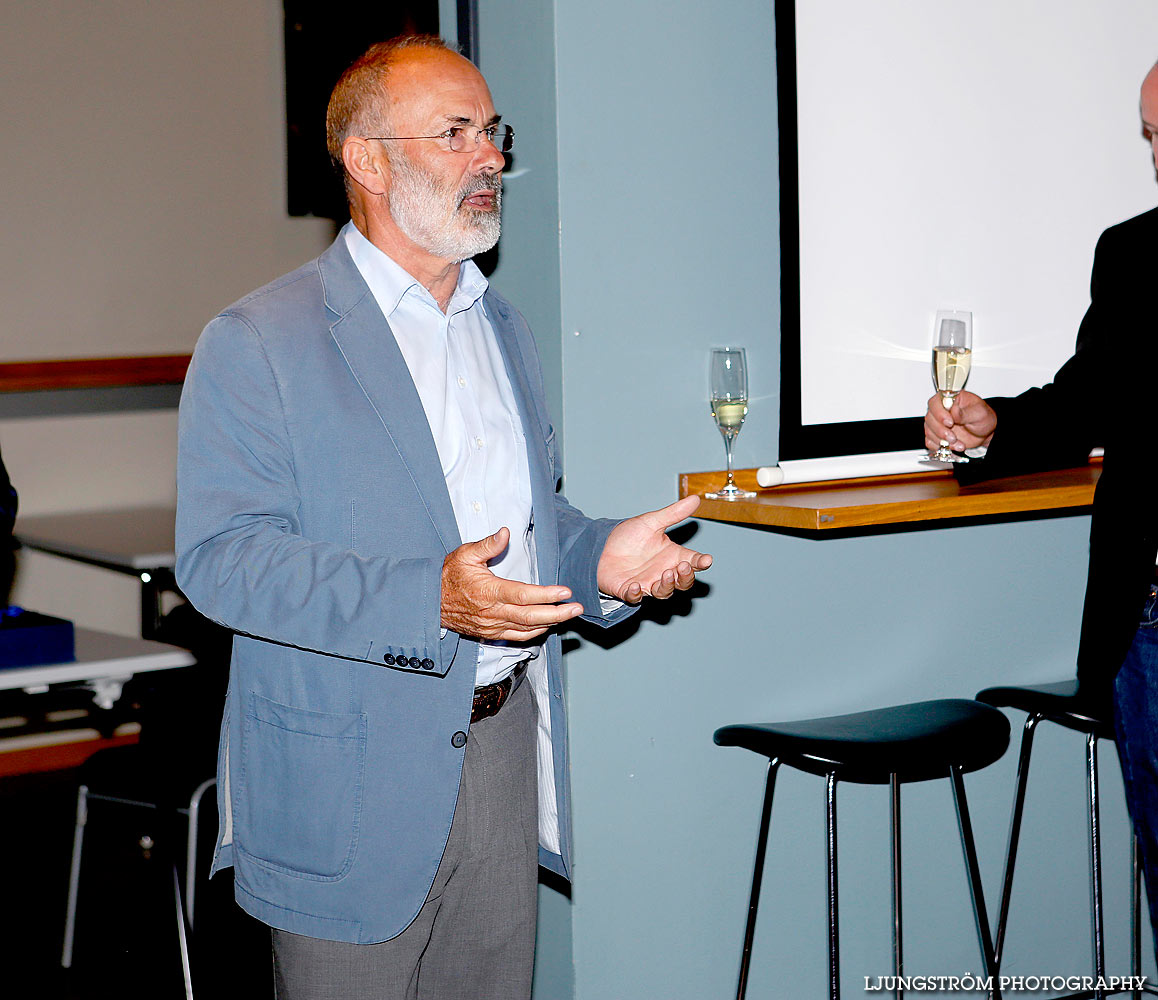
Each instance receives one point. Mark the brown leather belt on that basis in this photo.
(488, 700)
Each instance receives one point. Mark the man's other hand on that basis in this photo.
(969, 424)
(481, 605)
(639, 559)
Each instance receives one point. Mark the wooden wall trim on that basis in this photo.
(93, 373)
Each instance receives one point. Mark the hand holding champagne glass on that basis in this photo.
(952, 357)
(728, 395)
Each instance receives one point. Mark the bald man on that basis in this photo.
(1101, 396)
(367, 496)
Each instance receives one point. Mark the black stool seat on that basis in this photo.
(916, 742)
(1059, 702)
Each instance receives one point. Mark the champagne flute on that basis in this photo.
(952, 357)
(728, 395)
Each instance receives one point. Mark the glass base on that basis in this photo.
(732, 492)
(943, 454)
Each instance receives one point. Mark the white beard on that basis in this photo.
(435, 219)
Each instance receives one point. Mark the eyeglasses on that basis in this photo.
(465, 138)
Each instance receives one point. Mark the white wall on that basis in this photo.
(144, 179)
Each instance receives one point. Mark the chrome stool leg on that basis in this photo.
(74, 876)
(1135, 916)
(833, 907)
(757, 877)
(973, 870)
(895, 818)
(1098, 933)
(1014, 835)
(182, 940)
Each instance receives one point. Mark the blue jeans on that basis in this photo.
(1136, 728)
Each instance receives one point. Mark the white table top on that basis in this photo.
(99, 656)
(130, 539)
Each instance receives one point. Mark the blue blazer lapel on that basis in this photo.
(368, 346)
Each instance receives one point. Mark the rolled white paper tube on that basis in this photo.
(813, 470)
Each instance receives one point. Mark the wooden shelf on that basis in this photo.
(891, 500)
(93, 373)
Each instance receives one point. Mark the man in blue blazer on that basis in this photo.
(366, 496)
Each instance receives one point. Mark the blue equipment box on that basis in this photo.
(28, 639)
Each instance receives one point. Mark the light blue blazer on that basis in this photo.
(313, 519)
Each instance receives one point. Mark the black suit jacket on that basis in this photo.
(1104, 395)
(7, 519)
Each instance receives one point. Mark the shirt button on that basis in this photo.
(478, 442)
(458, 740)
(461, 382)
(476, 506)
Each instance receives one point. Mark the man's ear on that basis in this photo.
(366, 164)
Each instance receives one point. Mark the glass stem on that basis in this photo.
(728, 450)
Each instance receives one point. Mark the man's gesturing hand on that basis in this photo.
(477, 603)
(969, 424)
(640, 560)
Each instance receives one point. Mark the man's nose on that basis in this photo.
(488, 156)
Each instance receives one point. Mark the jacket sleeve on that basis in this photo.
(1056, 425)
(581, 541)
(241, 555)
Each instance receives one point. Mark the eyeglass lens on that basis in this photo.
(503, 139)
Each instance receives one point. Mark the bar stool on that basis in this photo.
(931, 739)
(1059, 702)
(170, 792)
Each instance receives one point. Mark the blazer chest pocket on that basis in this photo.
(300, 794)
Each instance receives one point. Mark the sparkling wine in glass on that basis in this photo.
(728, 396)
(952, 357)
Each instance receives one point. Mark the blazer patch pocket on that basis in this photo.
(302, 775)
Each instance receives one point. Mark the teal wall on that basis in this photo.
(642, 232)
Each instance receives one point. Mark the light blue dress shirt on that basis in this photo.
(458, 370)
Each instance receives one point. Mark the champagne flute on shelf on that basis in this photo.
(952, 357)
(728, 395)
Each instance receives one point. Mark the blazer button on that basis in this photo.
(428, 664)
(388, 659)
(458, 740)
(415, 662)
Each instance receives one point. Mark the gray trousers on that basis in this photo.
(474, 938)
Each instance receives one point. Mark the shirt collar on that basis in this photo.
(390, 282)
